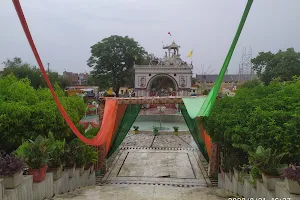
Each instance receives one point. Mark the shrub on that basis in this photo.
(26, 113)
(56, 151)
(155, 131)
(266, 160)
(91, 155)
(176, 128)
(69, 155)
(259, 115)
(10, 165)
(292, 172)
(34, 153)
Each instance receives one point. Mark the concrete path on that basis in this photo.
(148, 167)
(141, 192)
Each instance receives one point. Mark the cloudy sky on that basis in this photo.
(64, 30)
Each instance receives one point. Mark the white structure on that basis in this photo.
(171, 67)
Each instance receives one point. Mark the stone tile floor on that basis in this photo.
(142, 192)
(156, 166)
(165, 139)
(130, 164)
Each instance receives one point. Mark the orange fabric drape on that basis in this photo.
(110, 111)
(119, 114)
(206, 138)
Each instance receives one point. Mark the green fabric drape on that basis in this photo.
(126, 122)
(209, 102)
(194, 128)
(193, 105)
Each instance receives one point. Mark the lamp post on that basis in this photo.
(48, 67)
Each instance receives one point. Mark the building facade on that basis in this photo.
(76, 78)
(230, 81)
(169, 76)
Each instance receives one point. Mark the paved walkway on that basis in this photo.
(142, 192)
(150, 168)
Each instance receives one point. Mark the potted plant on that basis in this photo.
(56, 150)
(35, 155)
(69, 161)
(226, 168)
(176, 128)
(91, 157)
(11, 170)
(155, 131)
(292, 178)
(268, 163)
(136, 129)
(80, 159)
(254, 175)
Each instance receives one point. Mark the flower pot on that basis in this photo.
(81, 169)
(11, 182)
(136, 131)
(57, 172)
(270, 181)
(292, 186)
(175, 132)
(70, 170)
(38, 175)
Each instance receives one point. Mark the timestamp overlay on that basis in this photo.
(262, 198)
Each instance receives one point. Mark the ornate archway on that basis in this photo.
(162, 85)
(170, 69)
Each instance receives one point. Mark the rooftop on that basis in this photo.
(227, 78)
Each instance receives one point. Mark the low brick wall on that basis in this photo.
(48, 188)
(245, 189)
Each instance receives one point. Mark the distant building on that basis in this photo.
(230, 81)
(75, 78)
(194, 90)
(228, 78)
(161, 74)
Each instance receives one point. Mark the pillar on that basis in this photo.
(214, 161)
(101, 107)
(101, 164)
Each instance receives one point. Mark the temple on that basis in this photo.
(169, 76)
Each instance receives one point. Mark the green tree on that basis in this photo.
(25, 70)
(112, 61)
(261, 115)
(26, 113)
(283, 65)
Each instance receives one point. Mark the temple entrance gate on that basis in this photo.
(171, 67)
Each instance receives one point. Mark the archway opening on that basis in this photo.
(162, 85)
